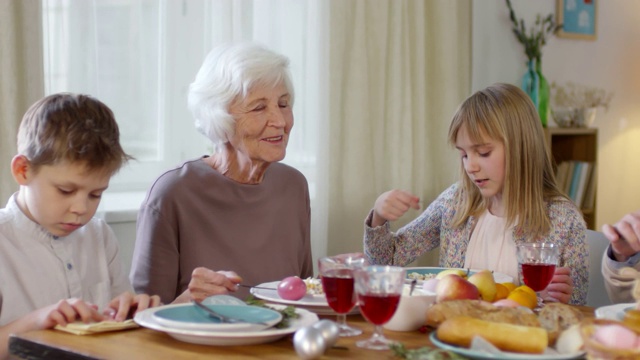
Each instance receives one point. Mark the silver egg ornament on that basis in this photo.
(309, 343)
(329, 330)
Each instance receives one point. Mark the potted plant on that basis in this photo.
(533, 82)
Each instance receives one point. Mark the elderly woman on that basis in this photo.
(238, 209)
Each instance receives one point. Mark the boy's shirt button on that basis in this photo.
(69, 266)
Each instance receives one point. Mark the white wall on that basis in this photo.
(610, 62)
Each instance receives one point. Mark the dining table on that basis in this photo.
(144, 343)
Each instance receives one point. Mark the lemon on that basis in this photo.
(524, 298)
(509, 285)
(527, 289)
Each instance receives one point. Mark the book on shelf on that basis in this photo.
(590, 193)
(583, 179)
(575, 179)
(562, 173)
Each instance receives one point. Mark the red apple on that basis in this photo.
(454, 287)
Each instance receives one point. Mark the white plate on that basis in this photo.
(145, 318)
(190, 317)
(613, 312)
(314, 303)
(498, 277)
(480, 355)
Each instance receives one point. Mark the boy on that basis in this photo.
(58, 263)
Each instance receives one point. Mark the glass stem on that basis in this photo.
(377, 334)
(342, 320)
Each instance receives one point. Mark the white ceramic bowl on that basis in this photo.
(565, 117)
(412, 310)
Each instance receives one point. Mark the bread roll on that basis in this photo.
(557, 317)
(507, 337)
(480, 310)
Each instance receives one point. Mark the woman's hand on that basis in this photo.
(205, 282)
(391, 205)
(561, 286)
(127, 304)
(624, 236)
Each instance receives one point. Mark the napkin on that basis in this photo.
(80, 328)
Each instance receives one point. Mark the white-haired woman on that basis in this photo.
(238, 210)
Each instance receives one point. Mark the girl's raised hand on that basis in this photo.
(391, 205)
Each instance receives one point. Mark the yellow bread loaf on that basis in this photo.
(507, 337)
(479, 309)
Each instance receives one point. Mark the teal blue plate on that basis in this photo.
(190, 317)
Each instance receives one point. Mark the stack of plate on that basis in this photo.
(188, 323)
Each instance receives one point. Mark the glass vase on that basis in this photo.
(531, 82)
(543, 94)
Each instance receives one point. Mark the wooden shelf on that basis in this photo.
(575, 144)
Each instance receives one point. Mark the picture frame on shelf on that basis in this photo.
(578, 19)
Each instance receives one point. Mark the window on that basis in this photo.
(140, 56)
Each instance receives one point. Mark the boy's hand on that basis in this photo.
(66, 311)
(125, 305)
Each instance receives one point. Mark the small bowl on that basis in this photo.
(412, 310)
(585, 117)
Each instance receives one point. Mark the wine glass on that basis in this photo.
(379, 289)
(336, 273)
(538, 264)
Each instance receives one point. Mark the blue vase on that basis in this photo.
(531, 82)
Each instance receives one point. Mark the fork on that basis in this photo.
(222, 318)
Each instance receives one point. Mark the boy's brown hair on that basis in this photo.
(71, 127)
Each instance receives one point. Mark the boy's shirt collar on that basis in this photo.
(32, 228)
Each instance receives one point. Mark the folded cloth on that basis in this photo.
(80, 328)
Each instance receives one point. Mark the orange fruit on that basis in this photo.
(509, 285)
(501, 292)
(523, 298)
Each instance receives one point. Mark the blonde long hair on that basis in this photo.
(505, 113)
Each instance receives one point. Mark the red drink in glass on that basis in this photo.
(379, 308)
(537, 276)
(339, 290)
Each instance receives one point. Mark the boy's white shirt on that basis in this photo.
(38, 269)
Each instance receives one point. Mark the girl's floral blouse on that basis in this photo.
(432, 229)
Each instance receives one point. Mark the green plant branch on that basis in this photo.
(537, 37)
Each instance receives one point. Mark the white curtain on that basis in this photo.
(376, 84)
(111, 52)
(398, 71)
(21, 81)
